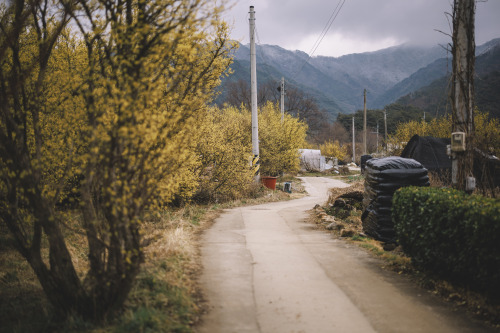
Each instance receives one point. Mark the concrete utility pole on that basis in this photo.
(377, 133)
(253, 99)
(353, 143)
(462, 95)
(385, 129)
(364, 124)
(282, 100)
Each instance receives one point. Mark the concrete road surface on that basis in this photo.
(266, 270)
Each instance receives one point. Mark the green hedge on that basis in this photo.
(450, 233)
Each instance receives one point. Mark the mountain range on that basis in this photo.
(432, 98)
(337, 83)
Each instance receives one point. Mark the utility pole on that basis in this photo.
(462, 95)
(282, 100)
(253, 99)
(377, 136)
(353, 143)
(364, 124)
(385, 129)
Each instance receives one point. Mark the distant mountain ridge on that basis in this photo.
(338, 83)
(433, 96)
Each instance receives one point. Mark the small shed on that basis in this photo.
(312, 160)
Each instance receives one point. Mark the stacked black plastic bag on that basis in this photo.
(383, 176)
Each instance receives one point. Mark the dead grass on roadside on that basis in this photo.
(23, 305)
(335, 192)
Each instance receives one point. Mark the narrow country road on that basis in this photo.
(266, 270)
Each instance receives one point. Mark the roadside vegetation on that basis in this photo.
(108, 142)
(341, 217)
(448, 241)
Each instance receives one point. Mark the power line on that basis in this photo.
(322, 35)
(260, 49)
(327, 27)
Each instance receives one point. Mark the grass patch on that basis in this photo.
(394, 259)
(316, 174)
(372, 248)
(354, 178)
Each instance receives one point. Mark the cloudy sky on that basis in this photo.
(360, 26)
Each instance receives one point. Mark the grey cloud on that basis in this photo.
(415, 21)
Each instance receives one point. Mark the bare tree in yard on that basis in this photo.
(332, 132)
(114, 107)
(297, 103)
(238, 93)
(305, 107)
(462, 88)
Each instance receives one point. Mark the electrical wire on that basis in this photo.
(322, 35)
(327, 27)
(261, 49)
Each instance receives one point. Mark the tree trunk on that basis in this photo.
(462, 91)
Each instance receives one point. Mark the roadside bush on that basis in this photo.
(437, 127)
(224, 152)
(279, 141)
(105, 117)
(222, 165)
(487, 132)
(333, 150)
(451, 234)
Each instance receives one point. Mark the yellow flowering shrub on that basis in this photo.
(437, 127)
(279, 141)
(223, 149)
(333, 150)
(110, 112)
(487, 132)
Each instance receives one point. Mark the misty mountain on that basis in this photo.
(274, 62)
(338, 83)
(421, 78)
(435, 71)
(433, 97)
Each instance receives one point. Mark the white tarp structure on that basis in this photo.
(311, 160)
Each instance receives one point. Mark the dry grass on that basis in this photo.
(165, 297)
(20, 292)
(335, 192)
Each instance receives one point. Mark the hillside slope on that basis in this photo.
(433, 98)
(338, 83)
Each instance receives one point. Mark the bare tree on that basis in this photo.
(238, 93)
(332, 132)
(297, 103)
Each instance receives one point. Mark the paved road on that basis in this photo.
(266, 270)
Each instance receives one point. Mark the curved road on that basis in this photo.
(266, 270)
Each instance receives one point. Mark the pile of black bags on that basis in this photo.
(383, 176)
